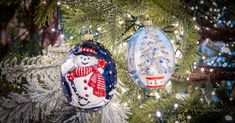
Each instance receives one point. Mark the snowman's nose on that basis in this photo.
(84, 58)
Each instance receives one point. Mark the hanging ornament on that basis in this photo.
(89, 76)
(150, 57)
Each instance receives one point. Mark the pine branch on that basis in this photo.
(18, 108)
(45, 12)
(69, 114)
(189, 39)
(22, 108)
(37, 68)
(114, 112)
(42, 91)
(191, 105)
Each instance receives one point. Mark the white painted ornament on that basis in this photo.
(150, 56)
(89, 76)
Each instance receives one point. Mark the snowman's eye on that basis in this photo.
(81, 57)
(88, 58)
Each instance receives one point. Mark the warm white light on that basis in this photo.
(71, 37)
(99, 28)
(58, 3)
(139, 97)
(202, 69)
(178, 54)
(137, 22)
(158, 95)
(213, 92)
(53, 29)
(176, 25)
(121, 22)
(203, 57)
(215, 25)
(196, 27)
(124, 44)
(212, 62)
(168, 83)
(194, 67)
(189, 117)
(187, 78)
(158, 113)
(201, 1)
(201, 99)
(176, 32)
(194, 18)
(211, 70)
(62, 35)
(176, 105)
(182, 32)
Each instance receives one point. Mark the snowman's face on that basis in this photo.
(84, 61)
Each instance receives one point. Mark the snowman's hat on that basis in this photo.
(88, 48)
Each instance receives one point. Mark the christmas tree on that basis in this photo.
(36, 36)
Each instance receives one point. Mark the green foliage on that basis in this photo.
(16, 48)
(6, 87)
(187, 106)
(189, 50)
(45, 12)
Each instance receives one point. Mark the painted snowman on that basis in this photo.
(85, 80)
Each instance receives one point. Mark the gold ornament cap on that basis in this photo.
(88, 36)
(147, 22)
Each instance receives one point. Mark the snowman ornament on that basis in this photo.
(84, 76)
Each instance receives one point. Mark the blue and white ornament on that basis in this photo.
(89, 76)
(150, 57)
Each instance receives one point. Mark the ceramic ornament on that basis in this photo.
(89, 76)
(150, 56)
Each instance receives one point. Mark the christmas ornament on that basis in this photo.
(89, 76)
(150, 57)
